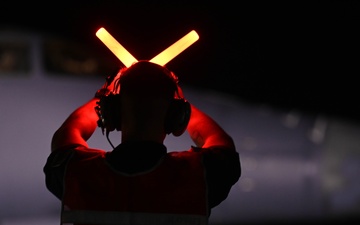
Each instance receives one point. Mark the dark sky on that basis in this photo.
(292, 54)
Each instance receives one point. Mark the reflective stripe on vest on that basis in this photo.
(123, 218)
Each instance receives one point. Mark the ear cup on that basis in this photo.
(177, 117)
(109, 112)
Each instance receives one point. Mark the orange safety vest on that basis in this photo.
(173, 192)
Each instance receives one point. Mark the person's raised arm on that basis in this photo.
(205, 132)
(81, 123)
(77, 128)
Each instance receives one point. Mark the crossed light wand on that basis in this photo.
(162, 58)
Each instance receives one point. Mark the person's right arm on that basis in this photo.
(206, 132)
(221, 159)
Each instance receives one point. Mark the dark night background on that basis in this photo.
(292, 54)
(295, 55)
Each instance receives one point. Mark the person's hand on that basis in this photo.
(109, 86)
(113, 82)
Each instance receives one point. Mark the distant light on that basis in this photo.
(292, 119)
(317, 134)
(115, 47)
(162, 58)
(175, 49)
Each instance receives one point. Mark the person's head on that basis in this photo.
(146, 80)
(150, 104)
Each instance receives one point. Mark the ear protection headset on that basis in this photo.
(109, 111)
(178, 114)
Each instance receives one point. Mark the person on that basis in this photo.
(139, 181)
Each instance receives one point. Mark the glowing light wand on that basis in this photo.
(162, 58)
(175, 49)
(119, 51)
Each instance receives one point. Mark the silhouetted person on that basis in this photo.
(139, 181)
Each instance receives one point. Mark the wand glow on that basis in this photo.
(175, 49)
(161, 59)
(119, 51)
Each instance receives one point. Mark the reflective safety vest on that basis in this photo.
(172, 193)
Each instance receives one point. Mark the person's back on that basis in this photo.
(139, 181)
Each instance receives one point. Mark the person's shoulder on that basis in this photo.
(81, 152)
(190, 154)
(198, 150)
(213, 149)
(77, 152)
(179, 154)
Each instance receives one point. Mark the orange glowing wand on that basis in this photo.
(164, 57)
(175, 49)
(119, 51)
